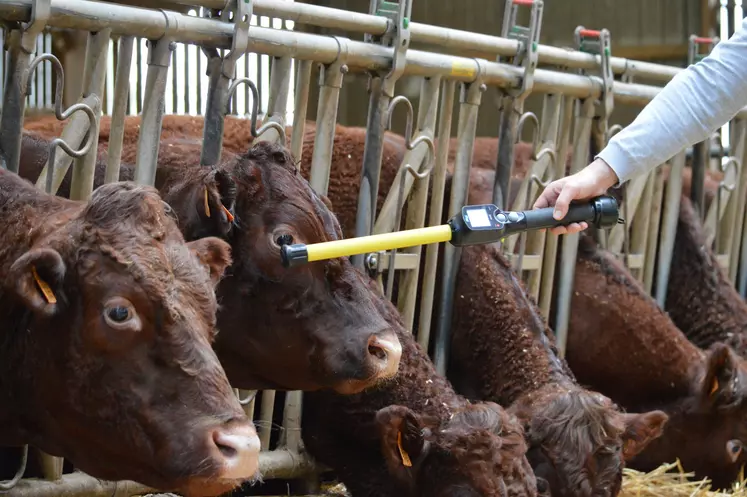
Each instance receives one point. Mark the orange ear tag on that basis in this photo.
(48, 293)
(405, 457)
(714, 387)
(228, 214)
(207, 206)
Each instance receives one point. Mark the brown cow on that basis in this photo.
(701, 300)
(503, 351)
(414, 436)
(107, 320)
(306, 328)
(623, 345)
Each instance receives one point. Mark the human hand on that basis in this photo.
(591, 181)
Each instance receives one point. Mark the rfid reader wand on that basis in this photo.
(475, 225)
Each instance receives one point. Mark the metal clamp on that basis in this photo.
(242, 14)
(332, 74)
(693, 48)
(61, 116)
(410, 144)
(397, 37)
(471, 93)
(40, 11)
(255, 109)
(599, 43)
(527, 56)
(723, 185)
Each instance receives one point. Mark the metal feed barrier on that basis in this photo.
(580, 91)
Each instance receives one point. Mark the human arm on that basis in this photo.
(687, 110)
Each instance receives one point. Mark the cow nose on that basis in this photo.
(384, 352)
(238, 449)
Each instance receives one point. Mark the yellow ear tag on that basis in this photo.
(48, 293)
(714, 387)
(207, 206)
(405, 457)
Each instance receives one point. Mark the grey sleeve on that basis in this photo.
(688, 110)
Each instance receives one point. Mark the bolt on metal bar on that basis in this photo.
(469, 106)
(121, 94)
(436, 211)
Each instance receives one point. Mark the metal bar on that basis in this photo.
(14, 100)
(569, 245)
(740, 198)
(159, 58)
(638, 234)
(469, 105)
(280, 464)
(668, 230)
(303, 83)
(121, 93)
(552, 242)
(330, 82)
(372, 151)
(436, 211)
(93, 16)
(97, 52)
(280, 76)
(485, 46)
(743, 262)
(699, 165)
(408, 287)
(266, 411)
(654, 224)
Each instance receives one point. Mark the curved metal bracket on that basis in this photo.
(729, 187)
(6, 486)
(535, 135)
(62, 116)
(612, 131)
(407, 168)
(249, 398)
(255, 109)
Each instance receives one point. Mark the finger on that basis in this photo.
(562, 204)
(548, 196)
(559, 230)
(575, 228)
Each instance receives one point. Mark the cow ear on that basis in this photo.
(36, 278)
(402, 439)
(717, 387)
(214, 253)
(640, 430)
(216, 202)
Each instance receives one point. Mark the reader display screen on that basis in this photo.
(478, 218)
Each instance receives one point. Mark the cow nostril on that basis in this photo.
(377, 352)
(223, 444)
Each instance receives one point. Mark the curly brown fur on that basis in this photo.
(701, 300)
(456, 448)
(503, 351)
(623, 345)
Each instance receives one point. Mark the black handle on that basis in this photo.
(601, 212)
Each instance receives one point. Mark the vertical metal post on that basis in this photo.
(159, 58)
(303, 83)
(381, 89)
(221, 70)
(512, 104)
(330, 82)
(97, 54)
(551, 242)
(739, 145)
(436, 211)
(408, 288)
(121, 94)
(701, 151)
(280, 77)
(21, 46)
(469, 105)
(569, 245)
(668, 231)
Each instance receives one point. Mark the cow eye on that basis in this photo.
(285, 239)
(118, 314)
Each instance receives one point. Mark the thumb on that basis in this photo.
(568, 193)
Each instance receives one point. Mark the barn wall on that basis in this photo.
(656, 30)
